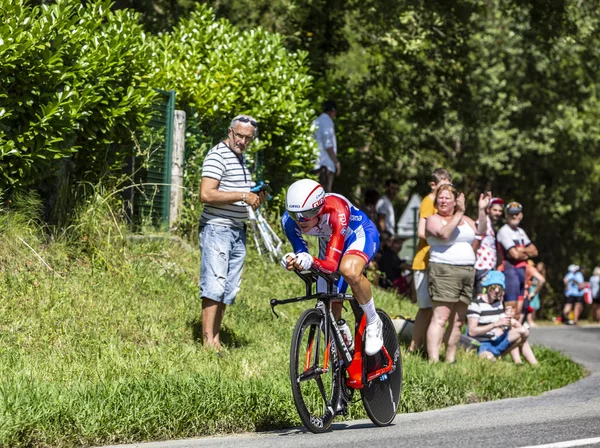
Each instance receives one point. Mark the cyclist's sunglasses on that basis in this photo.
(306, 215)
(246, 120)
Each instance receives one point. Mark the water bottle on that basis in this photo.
(346, 333)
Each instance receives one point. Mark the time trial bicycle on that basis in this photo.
(323, 371)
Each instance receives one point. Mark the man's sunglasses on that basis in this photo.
(306, 215)
(247, 120)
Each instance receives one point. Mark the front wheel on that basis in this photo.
(314, 372)
(381, 397)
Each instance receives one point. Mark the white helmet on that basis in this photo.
(304, 199)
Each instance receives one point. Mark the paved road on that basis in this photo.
(564, 415)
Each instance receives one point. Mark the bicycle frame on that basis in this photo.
(357, 377)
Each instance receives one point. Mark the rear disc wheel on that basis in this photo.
(381, 397)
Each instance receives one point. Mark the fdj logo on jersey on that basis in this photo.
(342, 217)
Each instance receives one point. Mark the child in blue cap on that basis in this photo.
(494, 327)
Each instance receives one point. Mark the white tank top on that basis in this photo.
(456, 250)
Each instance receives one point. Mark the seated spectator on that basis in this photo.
(392, 267)
(494, 328)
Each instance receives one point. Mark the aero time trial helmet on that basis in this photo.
(304, 200)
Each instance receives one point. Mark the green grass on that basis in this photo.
(99, 344)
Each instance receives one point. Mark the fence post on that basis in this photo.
(177, 167)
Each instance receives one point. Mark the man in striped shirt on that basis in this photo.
(496, 330)
(225, 192)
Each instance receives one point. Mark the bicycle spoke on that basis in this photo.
(322, 390)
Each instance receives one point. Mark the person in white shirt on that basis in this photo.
(328, 165)
(385, 209)
(451, 270)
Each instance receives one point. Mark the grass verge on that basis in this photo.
(102, 346)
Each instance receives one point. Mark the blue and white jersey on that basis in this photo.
(349, 230)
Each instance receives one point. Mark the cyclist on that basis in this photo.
(353, 241)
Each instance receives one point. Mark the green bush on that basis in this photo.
(219, 71)
(73, 81)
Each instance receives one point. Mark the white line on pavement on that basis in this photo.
(568, 443)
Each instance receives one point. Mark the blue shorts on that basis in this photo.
(223, 252)
(497, 346)
(364, 242)
(515, 282)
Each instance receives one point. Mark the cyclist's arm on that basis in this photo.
(293, 234)
(339, 224)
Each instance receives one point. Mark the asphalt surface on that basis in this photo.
(570, 415)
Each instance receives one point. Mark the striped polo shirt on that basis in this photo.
(487, 313)
(223, 164)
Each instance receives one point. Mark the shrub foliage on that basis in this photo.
(73, 79)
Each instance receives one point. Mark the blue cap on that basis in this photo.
(493, 278)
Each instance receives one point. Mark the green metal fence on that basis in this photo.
(152, 192)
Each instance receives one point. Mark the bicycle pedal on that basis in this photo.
(343, 411)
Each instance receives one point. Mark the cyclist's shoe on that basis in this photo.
(374, 337)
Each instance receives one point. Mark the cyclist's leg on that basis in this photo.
(359, 250)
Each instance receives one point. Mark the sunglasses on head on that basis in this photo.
(514, 208)
(247, 120)
(306, 215)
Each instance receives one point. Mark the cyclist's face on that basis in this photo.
(305, 226)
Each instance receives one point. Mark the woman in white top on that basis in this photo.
(450, 235)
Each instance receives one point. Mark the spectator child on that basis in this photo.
(392, 267)
(494, 328)
(534, 282)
